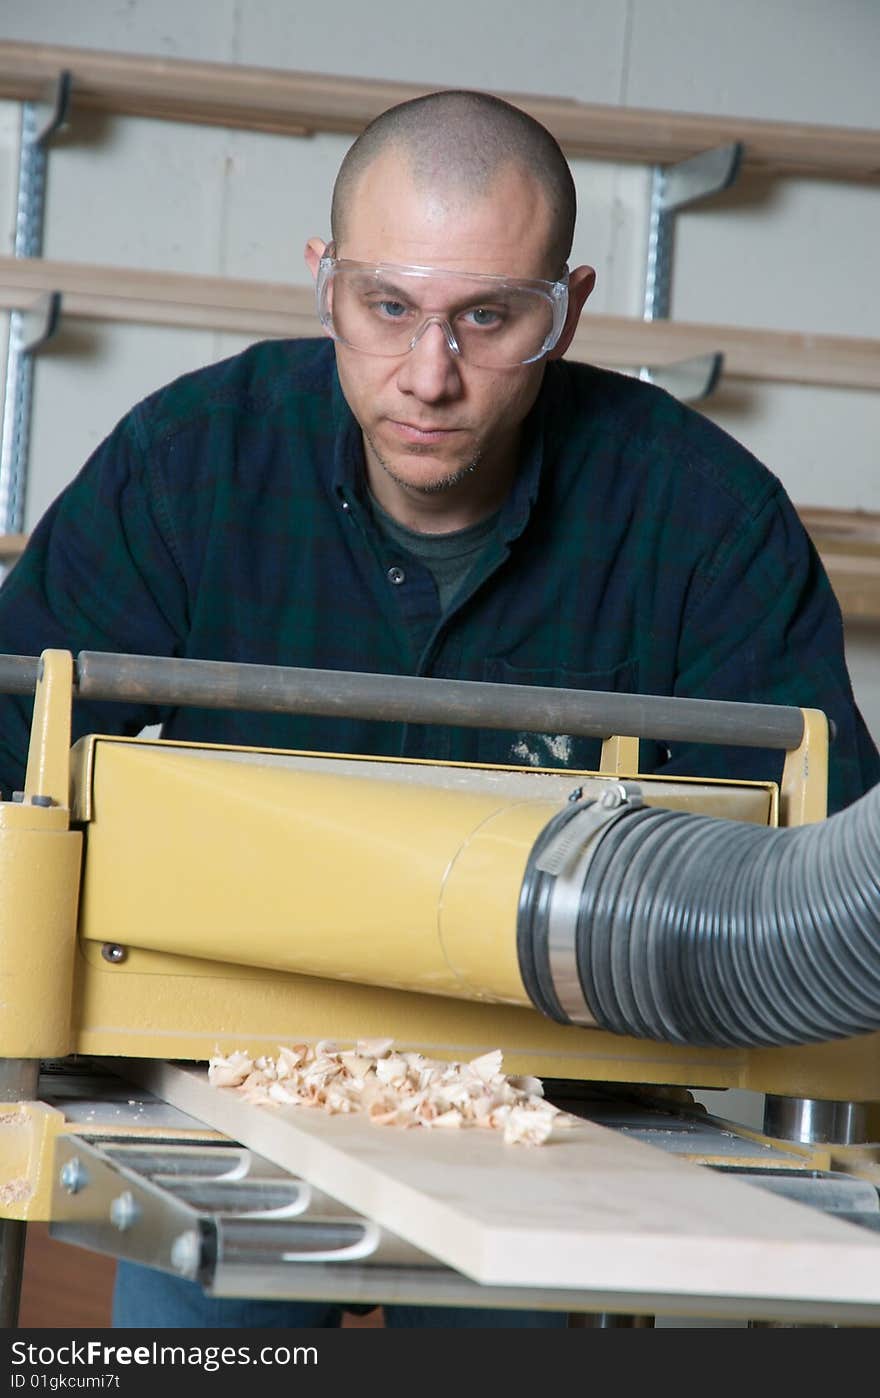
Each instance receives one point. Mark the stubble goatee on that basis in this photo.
(432, 487)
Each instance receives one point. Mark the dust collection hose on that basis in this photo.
(696, 930)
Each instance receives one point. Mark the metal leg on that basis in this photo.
(813, 1121)
(12, 1241)
(19, 1081)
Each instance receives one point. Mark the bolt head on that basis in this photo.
(124, 1211)
(73, 1176)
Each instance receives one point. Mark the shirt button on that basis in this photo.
(345, 505)
(396, 576)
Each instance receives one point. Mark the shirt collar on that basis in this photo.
(348, 446)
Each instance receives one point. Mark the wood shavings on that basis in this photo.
(393, 1088)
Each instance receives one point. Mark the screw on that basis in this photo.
(186, 1252)
(42, 801)
(73, 1176)
(124, 1211)
(610, 798)
(112, 951)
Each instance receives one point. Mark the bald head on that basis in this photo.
(458, 142)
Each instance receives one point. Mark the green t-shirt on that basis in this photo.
(448, 557)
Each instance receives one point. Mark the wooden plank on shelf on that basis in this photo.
(780, 356)
(278, 308)
(591, 1210)
(12, 546)
(277, 100)
(161, 298)
(848, 542)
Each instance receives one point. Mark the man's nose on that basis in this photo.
(431, 369)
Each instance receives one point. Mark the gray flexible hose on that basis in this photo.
(696, 930)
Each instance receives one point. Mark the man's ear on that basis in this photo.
(313, 252)
(580, 283)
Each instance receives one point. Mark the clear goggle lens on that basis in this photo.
(491, 321)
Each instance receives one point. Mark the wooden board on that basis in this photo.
(592, 1211)
(277, 100)
(848, 542)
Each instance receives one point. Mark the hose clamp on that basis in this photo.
(567, 858)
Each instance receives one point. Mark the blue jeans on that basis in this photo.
(144, 1298)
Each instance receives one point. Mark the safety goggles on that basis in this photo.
(491, 321)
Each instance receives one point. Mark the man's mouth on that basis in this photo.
(422, 435)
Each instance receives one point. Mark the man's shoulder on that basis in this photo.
(267, 377)
(641, 426)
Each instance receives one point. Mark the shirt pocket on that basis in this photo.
(550, 749)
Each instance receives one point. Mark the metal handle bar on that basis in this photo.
(215, 684)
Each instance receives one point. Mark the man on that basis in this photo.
(434, 493)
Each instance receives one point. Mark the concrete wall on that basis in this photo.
(787, 254)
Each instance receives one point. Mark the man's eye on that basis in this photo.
(391, 310)
(483, 317)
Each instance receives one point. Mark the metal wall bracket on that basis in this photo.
(687, 379)
(52, 109)
(40, 321)
(672, 188)
(40, 121)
